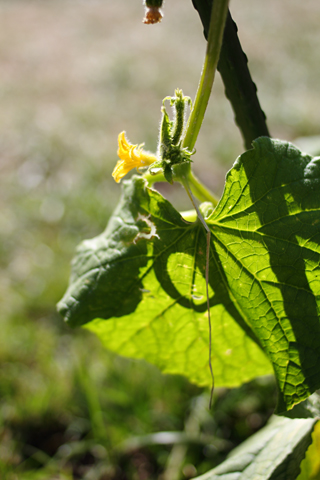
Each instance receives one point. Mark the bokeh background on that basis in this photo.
(74, 73)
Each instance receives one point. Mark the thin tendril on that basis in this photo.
(209, 316)
(186, 186)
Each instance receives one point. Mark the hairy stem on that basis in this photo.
(239, 87)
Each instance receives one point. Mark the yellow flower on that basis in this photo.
(131, 156)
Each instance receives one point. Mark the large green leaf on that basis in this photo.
(153, 292)
(145, 275)
(274, 453)
(266, 232)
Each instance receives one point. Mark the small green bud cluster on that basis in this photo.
(170, 150)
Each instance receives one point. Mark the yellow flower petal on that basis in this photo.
(131, 156)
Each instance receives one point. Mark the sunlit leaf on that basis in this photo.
(310, 466)
(145, 275)
(153, 292)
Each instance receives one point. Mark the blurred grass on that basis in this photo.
(73, 75)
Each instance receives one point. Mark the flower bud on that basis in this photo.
(153, 13)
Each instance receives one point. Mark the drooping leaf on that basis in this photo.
(274, 453)
(145, 275)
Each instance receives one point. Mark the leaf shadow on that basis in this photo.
(195, 246)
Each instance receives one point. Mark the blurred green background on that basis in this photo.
(73, 75)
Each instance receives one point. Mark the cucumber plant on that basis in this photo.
(235, 279)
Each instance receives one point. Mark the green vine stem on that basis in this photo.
(200, 191)
(215, 36)
(197, 188)
(239, 87)
(189, 215)
(217, 24)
